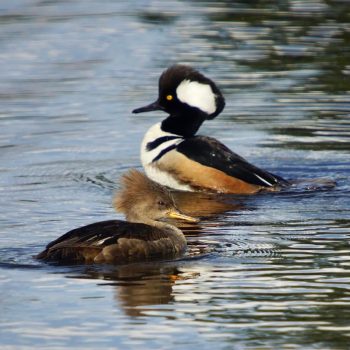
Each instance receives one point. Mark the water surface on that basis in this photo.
(276, 274)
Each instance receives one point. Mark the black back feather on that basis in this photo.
(212, 153)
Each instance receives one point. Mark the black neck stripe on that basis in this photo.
(161, 154)
(154, 144)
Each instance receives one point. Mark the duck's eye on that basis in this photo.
(169, 97)
(161, 203)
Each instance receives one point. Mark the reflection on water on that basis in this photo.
(138, 287)
(201, 204)
(264, 271)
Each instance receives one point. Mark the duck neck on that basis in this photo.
(135, 217)
(184, 124)
(159, 224)
(175, 235)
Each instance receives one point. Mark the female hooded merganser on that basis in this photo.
(173, 156)
(141, 237)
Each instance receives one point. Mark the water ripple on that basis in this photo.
(264, 271)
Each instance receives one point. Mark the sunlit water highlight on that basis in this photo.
(271, 271)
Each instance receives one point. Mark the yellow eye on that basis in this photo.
(169, 97)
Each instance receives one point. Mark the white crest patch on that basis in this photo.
(197, 95)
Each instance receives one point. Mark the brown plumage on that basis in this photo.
(203, 178)
(140, 238)
(137, 188)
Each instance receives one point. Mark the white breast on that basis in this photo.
(151, 169)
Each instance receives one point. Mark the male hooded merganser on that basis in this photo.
(141, 237)
(173, 156)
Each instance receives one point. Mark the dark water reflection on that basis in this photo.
(262, 272)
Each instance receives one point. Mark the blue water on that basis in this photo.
(275, 269)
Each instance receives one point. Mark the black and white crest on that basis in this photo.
(189, 87)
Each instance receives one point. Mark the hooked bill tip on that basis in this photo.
(136, 110)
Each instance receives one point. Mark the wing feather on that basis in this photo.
(212, 153)
(85, 243)
(101, 234)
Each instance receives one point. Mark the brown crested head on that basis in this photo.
(141, 197)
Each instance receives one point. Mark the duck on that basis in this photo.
(141, 237)
(174, 156)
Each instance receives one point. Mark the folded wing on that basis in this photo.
(211, 153)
